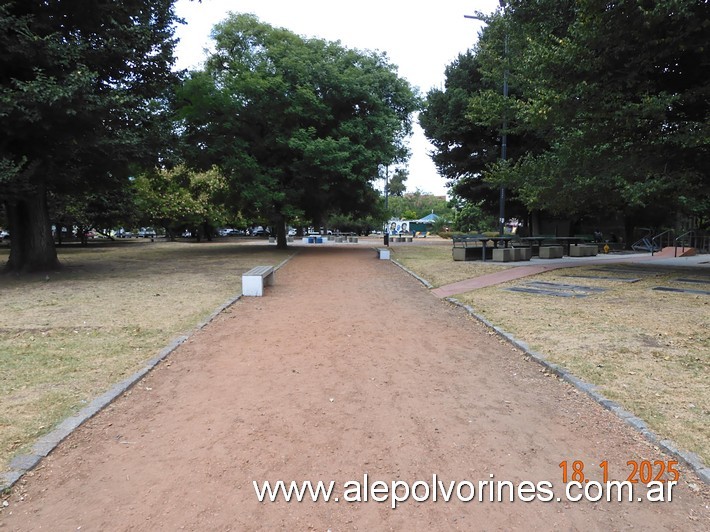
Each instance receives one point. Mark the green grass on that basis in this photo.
(67, 337)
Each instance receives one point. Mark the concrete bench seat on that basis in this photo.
(583, 250)
(524, 253)
(383, 253)
(550, 252)
(503, 254)
(254, 280)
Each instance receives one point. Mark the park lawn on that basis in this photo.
(434, 263)
(648, 350)
(70, 335)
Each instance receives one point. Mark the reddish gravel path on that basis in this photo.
(347, 366)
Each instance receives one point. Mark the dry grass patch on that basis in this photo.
(434, 263)
(649, 350)
(646, 349)
(68, 337)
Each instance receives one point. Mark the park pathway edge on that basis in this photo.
(22, 464)
(690, 459)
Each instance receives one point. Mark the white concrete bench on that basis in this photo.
(383, 253)
(254, 280)
(550, 252)
(583, 250)
(503, 254)
(522, 253)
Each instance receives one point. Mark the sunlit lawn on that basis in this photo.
(68, 336)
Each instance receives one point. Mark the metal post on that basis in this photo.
(504, 132)
(504, 136)
(387, 186)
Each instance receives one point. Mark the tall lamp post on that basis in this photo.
(385, 233)
(504, 132)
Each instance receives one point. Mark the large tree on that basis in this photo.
(178, 199)
(80, 86)
(299, 126)
(620, 94)
(607, 112)
(465, 121)
(463, 148)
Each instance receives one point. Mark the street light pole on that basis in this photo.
(387, 186)
(504, 132)
(504, 135)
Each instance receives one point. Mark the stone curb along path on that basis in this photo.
(692, 460)
(21, 464)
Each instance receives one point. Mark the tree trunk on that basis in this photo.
(534, 223)
(281, 242)
(32, 245)
(207, 229)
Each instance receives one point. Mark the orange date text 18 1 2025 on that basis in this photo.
(644, 471)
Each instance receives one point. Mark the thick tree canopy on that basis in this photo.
(463, 149)
(80, 86)
(178, 199)
(607, 112)
(620, 93)
(298, 126)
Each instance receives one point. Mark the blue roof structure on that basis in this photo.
(428, 219)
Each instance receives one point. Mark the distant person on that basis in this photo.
(598, 237)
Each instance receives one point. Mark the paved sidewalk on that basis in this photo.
(347, 370)
(536, 266)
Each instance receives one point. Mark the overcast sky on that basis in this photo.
(421, 38)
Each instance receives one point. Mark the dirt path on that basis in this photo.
(348, 366)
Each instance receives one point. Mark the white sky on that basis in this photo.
(421, 38)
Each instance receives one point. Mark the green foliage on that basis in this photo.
(396, 186)
(298, 126)
(82, 88)
(471, 218)
(180, 197)
(607, 110)
(348, 224)
(94, 210)
(618, 94)
(463, 147)
(75, 87)
(415, 205)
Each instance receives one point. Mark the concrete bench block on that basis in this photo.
(583, 250)
(550, 252)
(502, 254)
(591, 249)
(522, 254)
(459, 253)
(254, 280)
(383, 253)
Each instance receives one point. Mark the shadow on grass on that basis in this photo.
(112, 258)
